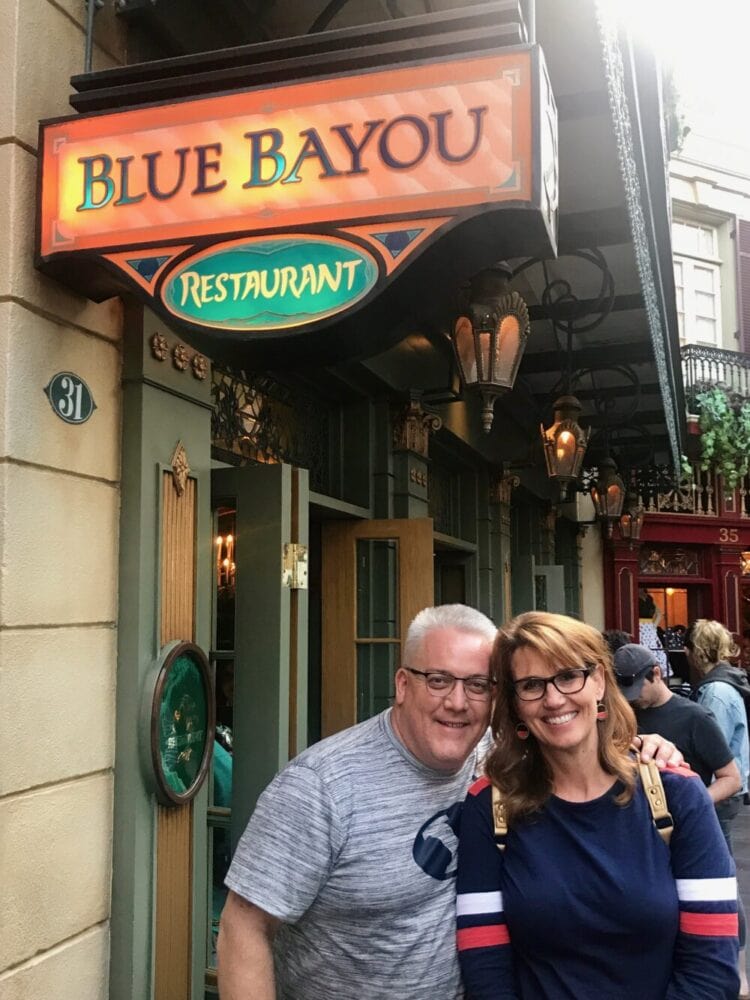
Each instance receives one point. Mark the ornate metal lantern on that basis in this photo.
(565, 444)
(608, 494)
(489, 337)
(631, 519)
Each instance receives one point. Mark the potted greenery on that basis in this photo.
(725, 434)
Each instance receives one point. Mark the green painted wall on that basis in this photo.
(161, 406)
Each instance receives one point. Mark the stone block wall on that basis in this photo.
(59, 510)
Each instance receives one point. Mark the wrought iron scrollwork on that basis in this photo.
(257, 420)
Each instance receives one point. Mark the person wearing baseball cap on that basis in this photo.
(688, 725)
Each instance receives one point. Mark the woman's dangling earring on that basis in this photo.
(601, 711)
(522, 731)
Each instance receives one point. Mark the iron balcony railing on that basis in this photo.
(704, 367)
(698, 493)
(660, 491)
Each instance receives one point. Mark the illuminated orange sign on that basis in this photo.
(406, 142)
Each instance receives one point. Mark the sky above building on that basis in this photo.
(707, 45)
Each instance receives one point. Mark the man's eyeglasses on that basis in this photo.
(566, 681)
(441, 683)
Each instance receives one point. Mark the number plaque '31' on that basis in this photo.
(70, 398)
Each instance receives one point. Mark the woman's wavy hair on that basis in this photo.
(518, 768)
(709, 643)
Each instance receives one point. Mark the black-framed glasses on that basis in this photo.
(478, 687)
(566, 681)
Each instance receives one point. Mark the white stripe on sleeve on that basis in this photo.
(469, 903)
(706, 890)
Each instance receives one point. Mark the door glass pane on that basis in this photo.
(377, 588)
(220, 784)
(376, 668)
(224, 556)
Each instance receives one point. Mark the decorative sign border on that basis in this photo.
(170, 655)
(381, 163)
(425, 138)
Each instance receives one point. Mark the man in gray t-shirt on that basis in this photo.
(346, 871)
(349, 858)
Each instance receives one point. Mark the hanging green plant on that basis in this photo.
(725, 435)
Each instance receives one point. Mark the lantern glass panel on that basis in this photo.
(464, 339)
(614, 499)
(507, 351)
(565, 452)
(596, 500)
(484, 339)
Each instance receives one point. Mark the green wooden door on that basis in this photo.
(259, 648)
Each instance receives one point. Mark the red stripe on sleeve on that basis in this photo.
(482, 937)
(479, 785)
(709, 924)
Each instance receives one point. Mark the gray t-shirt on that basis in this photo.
(353, 846)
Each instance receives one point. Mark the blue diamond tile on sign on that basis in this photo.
(147, 266)
(396, 242)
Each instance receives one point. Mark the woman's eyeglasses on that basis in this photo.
(566, 681)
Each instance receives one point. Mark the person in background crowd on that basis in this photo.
(615, 637)
(347, 867)
(691, 728)
(649, 618)
(723, 690)
(585, 901)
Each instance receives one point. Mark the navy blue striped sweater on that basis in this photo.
(588, 903)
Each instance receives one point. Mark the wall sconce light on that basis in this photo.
(631, 520)
(565, 444)
(225, 564)
(489, 337)
(608, 494)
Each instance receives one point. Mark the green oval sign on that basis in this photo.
(270, 283)
(182, 722)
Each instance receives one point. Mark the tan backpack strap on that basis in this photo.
(498, 818)
(657, 800)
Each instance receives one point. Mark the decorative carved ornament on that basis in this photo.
(181, 356)
(669, 561)
(159, 347)
(411, 429)
(502, 486)
(180, 468)
(199, 365)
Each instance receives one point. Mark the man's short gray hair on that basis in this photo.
(457, 616)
